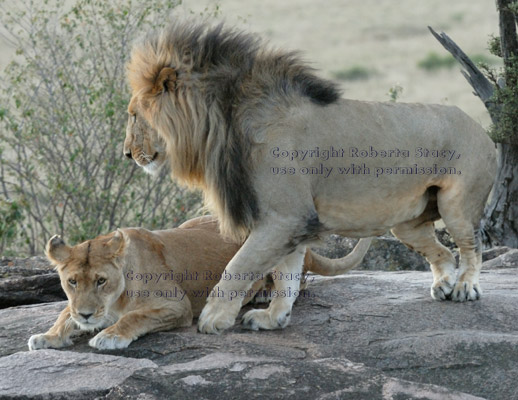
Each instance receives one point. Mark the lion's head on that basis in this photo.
(91, 276)
(210, 93)
(143, 145)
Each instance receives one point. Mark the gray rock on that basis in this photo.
(328, 378)
(29, 263)
(494, 252)
(42, 288)
(28, 281)
(508, 259)
(364, 335)
(386, 253)
(444, 237)
(53, 373)
(19, 323)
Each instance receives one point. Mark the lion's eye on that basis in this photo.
(101, 281)
(72, 282)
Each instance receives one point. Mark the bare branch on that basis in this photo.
(483, 87)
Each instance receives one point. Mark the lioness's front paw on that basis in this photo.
(466, 291)
(443, 288)
(109, 341)
(216, 317)
(262, 319)
(43, 341)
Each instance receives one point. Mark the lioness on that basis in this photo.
(134, 281)
(283, 160)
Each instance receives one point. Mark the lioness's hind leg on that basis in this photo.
(461, 215)
(420, 236)
(286, 279)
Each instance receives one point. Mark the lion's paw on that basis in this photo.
(43, 341)
(262, 319)
(105, 340)
(214, 319)
(466, 291)
(443, 288)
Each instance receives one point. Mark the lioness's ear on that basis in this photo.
(116, 244)
(166, 81)
(56, 250)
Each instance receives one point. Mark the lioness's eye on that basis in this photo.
(72, 282)
(101, 281)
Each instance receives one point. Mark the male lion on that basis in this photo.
(283, 160)
(134, 281)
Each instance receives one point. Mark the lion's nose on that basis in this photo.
(128, 154)
(86, 316)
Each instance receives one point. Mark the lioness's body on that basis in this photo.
(140, 294)
(197, 256)
(154, 281)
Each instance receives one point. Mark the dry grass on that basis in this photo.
(380, 35)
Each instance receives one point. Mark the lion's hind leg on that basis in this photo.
(286, 277)
(419, 235)
(461, 211)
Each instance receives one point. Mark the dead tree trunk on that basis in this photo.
(501, 216)
(500, 222)
(502, 213)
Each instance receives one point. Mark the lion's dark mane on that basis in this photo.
(237, 75)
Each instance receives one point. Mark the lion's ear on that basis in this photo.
(166, 81)
(116, 244)
(56, 250)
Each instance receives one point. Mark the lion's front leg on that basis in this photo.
(287, 276)
(56, 337)
(264, 248)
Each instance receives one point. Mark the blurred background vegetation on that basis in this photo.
(63, 116)
(63, 99)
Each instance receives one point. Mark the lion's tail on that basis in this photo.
(329, 267)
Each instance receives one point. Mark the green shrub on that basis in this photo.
(10, 219)
(483, 59)
(395, 92)
(506, 96)
(434, 61)
(457, 17)
(354, 73)
(63, 110)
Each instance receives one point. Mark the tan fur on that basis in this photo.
(235, 102)
(195, 247)
(143, 145)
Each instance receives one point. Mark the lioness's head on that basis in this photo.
(91, 276)
(143, 145)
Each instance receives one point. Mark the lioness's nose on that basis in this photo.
(86, 316)
(128, 154)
